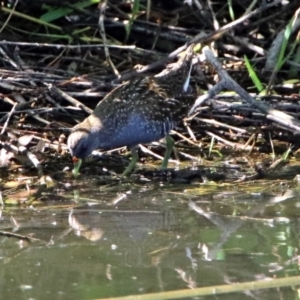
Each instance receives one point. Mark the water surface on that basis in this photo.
(119, 239)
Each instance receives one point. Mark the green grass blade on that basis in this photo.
(29, 18)
(281, 57)
(231, 12)
(55, 14)
(253, 75)
(211, 146)
(135, 10)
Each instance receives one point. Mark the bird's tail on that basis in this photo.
(176, 76)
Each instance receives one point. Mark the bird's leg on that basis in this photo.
(77, 164)
(134, 159)
(169, 148)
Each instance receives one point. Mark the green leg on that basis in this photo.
(77, 165)
(169, 148)
(134, 159)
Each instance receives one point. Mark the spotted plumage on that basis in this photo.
(139, 111)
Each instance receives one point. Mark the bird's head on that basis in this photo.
(81, 143)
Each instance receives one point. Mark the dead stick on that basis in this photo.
(228, 83)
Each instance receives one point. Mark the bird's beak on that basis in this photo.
(77, 163)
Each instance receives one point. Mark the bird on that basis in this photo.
(139, 111)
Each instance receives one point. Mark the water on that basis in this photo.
(115, 240)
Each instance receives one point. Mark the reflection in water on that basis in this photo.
(135, 225)
(149, 242)
(91, 230)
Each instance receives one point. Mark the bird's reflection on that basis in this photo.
(136, 225)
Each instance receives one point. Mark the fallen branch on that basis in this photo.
(216, 290)
(227, 83)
